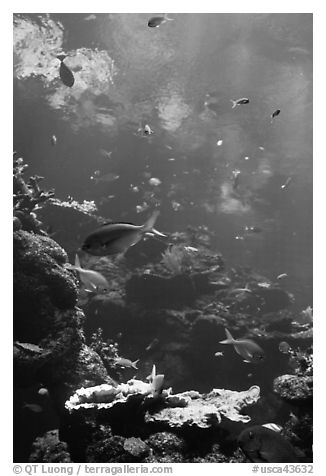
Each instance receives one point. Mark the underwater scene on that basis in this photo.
(162, 238)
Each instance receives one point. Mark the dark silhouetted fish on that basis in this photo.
(275, 113)
(65, 74)
(115, 238)
(155, 22)
(262, 445)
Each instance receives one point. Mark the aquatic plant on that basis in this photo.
(177, 259)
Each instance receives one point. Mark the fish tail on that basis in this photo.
(234, 103)
(149, 224)
(134, 364)
(229, 339)
(167, 17)
(61, 57)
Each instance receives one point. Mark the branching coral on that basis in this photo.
(27, 197)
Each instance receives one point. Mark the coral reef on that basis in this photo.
(294, 388)
(49, 449)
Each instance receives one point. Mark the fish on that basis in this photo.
(43, 392)
(273, 426)
(152, 375)
(33, 348)
(147, 130)
(219, 354)
(90, 17)
(106, 154)
(219, 142)
(53, 140)
(275, 113)
(157, 385)
(65, 74)
(154, 181)
(33, 407)
(92, 280)
(253, 229)
(281, 276)
(248, 349)
(237, 102)
(152, 344)
(155, 22)
(115, 238)
(263, 445)
(284, 347)
(110, 177)
(286, 183)
(126, 363)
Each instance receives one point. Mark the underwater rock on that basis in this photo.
(166, 447)
(49, 449)
(69, 221)
(294, 388)
(136, 447)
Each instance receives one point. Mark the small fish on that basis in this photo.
(155, 22)
(237, 102)
(261, 148)
(273, 426)
(105, 153)
(154, 181)
(152, 344)
(191, 248)
(281, 276)
(239, 237)
(147, 130)
(275, 113)
(219, 354)
(92, 280)
(247, 158)
(90, 17)
(294, 419)
(219, 142)
(286, 183)
(236, 178)
(126, 363)
(65, 74)
(35, 349)
(115, 238)
(43, 392)
(110, 177)
(248, 349)
(253, 229)
(157, 385)
(284, 347)
(53, 140)
(262, 445)
(33, 407)
(152, 375)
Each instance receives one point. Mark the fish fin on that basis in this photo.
(77, 261)
(167, 17)
(234, 103)
(158, 233)
(149, 224)
(229, 339)
(273, 427)
(247, 361)
(61, 57)
(134, 364)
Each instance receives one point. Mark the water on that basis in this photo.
(128, 75)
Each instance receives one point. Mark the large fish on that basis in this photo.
(115, 238)
(92, 280)
(65, 74)
(248, 349)
(262, 445)
(155, 22)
